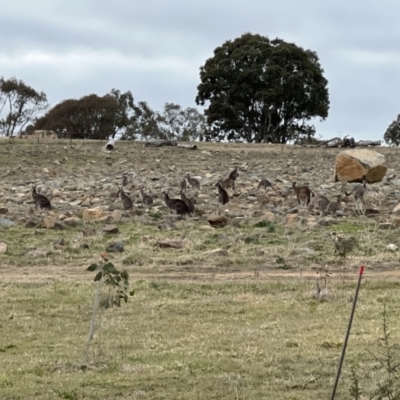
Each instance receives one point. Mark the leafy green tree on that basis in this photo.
(180, 123)
(259, 89)
(91, 117)
(194, 125)
(125, 118)
(392, 134)
(19, 105)
(145, 121)
(170, 121)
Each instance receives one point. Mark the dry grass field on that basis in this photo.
(230, 314)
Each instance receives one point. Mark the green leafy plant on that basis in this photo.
(118, 288)
(254, 239)
(265, 224)
(355, 389)
(389, 387)
(282, 263)
(155, 215)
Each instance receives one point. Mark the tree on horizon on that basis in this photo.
(259, 90)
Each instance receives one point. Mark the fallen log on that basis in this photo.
(366, 143)
(110, 145)
(188, 146)
(348, 142)
(337, 142)
(160, 143)
(325, 142)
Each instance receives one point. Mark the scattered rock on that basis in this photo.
(269, 216)
(371, 212)
(396, 223)
(59, 243)
(6, 222)
(392, 247)
(37, 253)
(3, 247)
(216, 253)
(291, 220)
(396, 210)
(88, 232)
(115, 247)
(217, 221)
(111, 229)
(115, 216)
(385, 225)
(171, 243)
(293, 210)
(303, 250)
(325, 222)
(72, 221)
(48, 222)
(340, 213)
(167, 226)
(32, 223)
(355, 165)
(92, 214)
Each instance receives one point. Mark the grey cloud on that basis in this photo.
(155, 49)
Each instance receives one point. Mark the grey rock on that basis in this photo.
(115, 247)
(6, 222)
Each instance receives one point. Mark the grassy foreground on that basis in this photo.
(259, 340)
(239, 323)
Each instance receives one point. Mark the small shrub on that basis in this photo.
(282, 264)
(389, 387)
(265, 224)
(118, 289)
(255, 239)
(155, 215)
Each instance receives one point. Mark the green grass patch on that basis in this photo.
(235, 340)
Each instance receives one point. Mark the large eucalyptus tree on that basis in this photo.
(259, 89)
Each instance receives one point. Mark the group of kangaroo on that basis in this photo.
(186, 205)
(325, 206)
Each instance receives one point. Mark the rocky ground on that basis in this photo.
(82, 179)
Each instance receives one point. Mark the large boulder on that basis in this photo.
(359, 164)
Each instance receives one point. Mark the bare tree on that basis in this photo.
(19, 105)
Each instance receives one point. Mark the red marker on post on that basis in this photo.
(346, 339)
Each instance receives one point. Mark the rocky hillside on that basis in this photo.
(82, 181)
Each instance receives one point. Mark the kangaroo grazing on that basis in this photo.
(183, 185)
(234, 174)
(188, 202)
(264, 183)
(334, 205)
(176, 204)
(303, 193)
(223, 196)
(193, 182)
(228, 183)
(320, 201)
(358, 192)
(40, 200)
(125, 180)
(146, 199)
(126, 201)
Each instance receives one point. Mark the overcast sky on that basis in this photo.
(154, 48)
